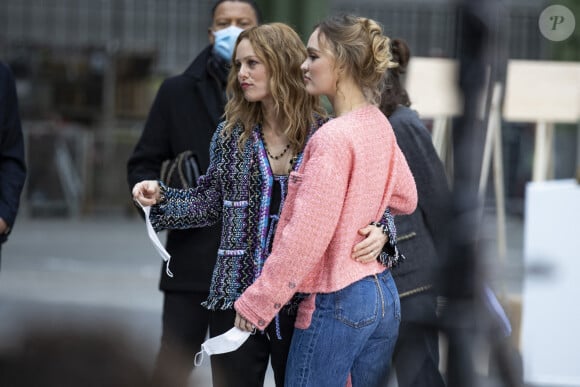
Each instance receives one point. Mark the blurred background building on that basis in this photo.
(87, 72)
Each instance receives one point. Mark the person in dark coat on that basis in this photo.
(421, 236)
(12, 162)
(184, 115)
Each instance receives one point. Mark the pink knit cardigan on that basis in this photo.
(352, 170)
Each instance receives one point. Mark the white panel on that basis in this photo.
(550, 310)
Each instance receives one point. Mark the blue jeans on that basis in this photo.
(353, 330)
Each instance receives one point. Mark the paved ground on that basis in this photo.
(104, 269)
(93, 271)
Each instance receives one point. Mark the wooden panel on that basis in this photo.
(432, 87)
(542, 91)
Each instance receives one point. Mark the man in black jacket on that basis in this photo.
(184, 116)
(12, 163)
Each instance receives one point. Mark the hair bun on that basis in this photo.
(401, 54)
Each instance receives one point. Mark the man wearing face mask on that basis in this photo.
(184, 116)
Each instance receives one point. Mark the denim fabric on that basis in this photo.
(353, 330)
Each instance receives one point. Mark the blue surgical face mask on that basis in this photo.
(225, 40)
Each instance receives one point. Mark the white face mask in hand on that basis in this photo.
(155, 239)
(226, 342)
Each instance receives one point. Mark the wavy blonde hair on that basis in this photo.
(282, 51)
(360, 48)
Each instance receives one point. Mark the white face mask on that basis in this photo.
(226, 342)
(155, 239)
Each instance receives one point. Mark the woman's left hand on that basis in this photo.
(243, 324)
(369, 249)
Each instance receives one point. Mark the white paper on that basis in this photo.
(155, 239)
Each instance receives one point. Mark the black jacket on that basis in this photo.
(12, 162)
(421, 236)
(184, 116)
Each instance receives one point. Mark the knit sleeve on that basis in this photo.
(404, 194)
(193, 207)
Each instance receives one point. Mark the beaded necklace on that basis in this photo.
(268, 151)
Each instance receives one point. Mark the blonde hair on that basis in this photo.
(360, 48)
(282, 51)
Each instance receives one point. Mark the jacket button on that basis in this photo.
(261, 322)
(291, 285)
(277, 306)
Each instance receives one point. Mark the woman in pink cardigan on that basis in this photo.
(351, 172)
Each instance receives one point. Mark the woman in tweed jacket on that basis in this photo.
(269, 117)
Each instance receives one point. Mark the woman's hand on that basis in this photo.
(147, 192)
(243, 324)
(369, 249)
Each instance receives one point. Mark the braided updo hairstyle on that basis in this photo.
(360, 49)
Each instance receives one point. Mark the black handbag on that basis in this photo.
(181, 171)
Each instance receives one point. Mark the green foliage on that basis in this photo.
(301, 15)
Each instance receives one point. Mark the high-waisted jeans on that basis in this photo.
(352, 331)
